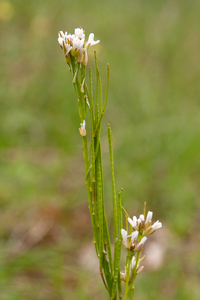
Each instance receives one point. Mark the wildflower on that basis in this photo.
(152, 228)
(133, 262)
(127, 241)
(82, 129)
(79, 32)
(76, 45)
(64, 44)
(61, 38)
(141, 222)
(144, 226)
(149, 217)
(133, 222)
(140, 245)
(91, 41)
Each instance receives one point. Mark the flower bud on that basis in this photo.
(82, 129)
(140, 245)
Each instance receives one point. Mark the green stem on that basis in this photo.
(89, 192)
(128, 262)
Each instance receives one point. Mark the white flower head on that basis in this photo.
(63, 40)
(74, 45)
(152, 228)
(77, 43)
(82, 129)
(79, 32)
(157, 225)
(133, 222)
(91, 41)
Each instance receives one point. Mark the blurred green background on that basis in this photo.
(46, 246)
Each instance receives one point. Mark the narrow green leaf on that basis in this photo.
(106, 236)
(92, 139)
(97, 97)
(117, 249)
(106, 99)
(89, 192)
(108, 243)
(116, 239)
(107, 272)
(110, 143)
(101, 209)
(119, 286)
(97, 79)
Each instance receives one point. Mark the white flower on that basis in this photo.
(157, 225)
(141, 217)
(152, 228)
(127, 241)
(61, 33)
(77, 43)
(124, 238)
(63, 41)
(140, 245)
(133, 262)
(71, 37)
(149, 217)
(133, 222)
(144, 226)
(79, 33)
(67, 48)
(134, 236)
(140, 222)
(143, 240)
(60, 41)
(91, 41)
(82, 129)
(61, 38)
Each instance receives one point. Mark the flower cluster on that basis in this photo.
(74, 45)
(135, 241)
(144, 226)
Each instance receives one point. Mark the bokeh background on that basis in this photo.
(46, 241)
